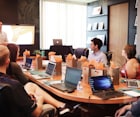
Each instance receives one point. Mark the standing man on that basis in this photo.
(3, 35)
(97, 54)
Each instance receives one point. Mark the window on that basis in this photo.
(62, 20)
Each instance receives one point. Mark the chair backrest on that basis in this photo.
(109, 57)
(7, 103)
(138, 58)
(8, 106)
(81, 52)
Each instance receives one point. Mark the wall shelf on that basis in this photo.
(100, 15)
(96, 30)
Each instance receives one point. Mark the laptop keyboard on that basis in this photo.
(109, 94)
(63, 87)
(133, 83)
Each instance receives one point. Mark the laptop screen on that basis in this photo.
(57, 41)
(28, 62)
(50, 68)
(101, 83)
(73, 75)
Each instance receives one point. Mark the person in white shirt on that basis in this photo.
(97, 54)
(3, 35)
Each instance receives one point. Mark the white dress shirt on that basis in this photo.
(98, 56)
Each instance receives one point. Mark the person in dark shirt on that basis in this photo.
(130, 110)
(15, 71)
(24, 103)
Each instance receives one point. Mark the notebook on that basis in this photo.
(57, 41)
(72, 77)
(48, 73)
(27, 64)
(102, 86)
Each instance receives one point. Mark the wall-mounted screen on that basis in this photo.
(20, 34)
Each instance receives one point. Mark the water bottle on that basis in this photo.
(79, 86)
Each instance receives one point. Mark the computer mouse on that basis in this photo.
(70, 91)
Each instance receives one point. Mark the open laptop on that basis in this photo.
(57, 41)
(133, 83)
(102, 86)
(27, 64)
(48, 73)
(72, 77)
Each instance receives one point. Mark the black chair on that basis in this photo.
(7, 104)
(138, 58)
(81, 52)
(109, 57)
(8, 107)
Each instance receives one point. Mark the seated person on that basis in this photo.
(27, 106)
(97, 54)
(15, 72)
(131, 110)
(131, 69)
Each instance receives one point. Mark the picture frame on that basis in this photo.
(89, 27)
(136, 4)
(101, 26)
(96, 10)
(95, 26)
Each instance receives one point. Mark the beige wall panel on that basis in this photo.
(118, 30)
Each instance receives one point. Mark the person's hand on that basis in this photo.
(122, 110)
(32, 96)
(39, 99)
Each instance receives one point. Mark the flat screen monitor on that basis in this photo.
(20, 34)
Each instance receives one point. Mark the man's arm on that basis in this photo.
(135, 109)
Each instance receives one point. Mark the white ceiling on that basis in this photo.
(82, 1)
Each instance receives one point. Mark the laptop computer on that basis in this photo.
(72, 77)
(133, 83)
(48, 73)
(57, 41)
(102, 86)
(27, 64)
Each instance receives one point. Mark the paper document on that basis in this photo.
(49, 82)
(132, 93)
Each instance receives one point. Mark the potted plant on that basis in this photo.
(37, 52)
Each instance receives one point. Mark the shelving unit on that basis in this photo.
(104, 17)
(97, 30)
(97, 16)
(101, 20)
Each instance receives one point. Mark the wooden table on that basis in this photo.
(85, 95)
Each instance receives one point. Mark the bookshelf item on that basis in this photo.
(135, 41)
(95, 26)
(89, 27)
(102, 38)
(101, 26)
(97, 10)
(136, 5)
(136, 21)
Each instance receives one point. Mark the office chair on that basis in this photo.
(7, 104)
(8, 107)
(138, 58)
(109, 57)
(81, 52)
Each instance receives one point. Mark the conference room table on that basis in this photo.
(84, 95)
